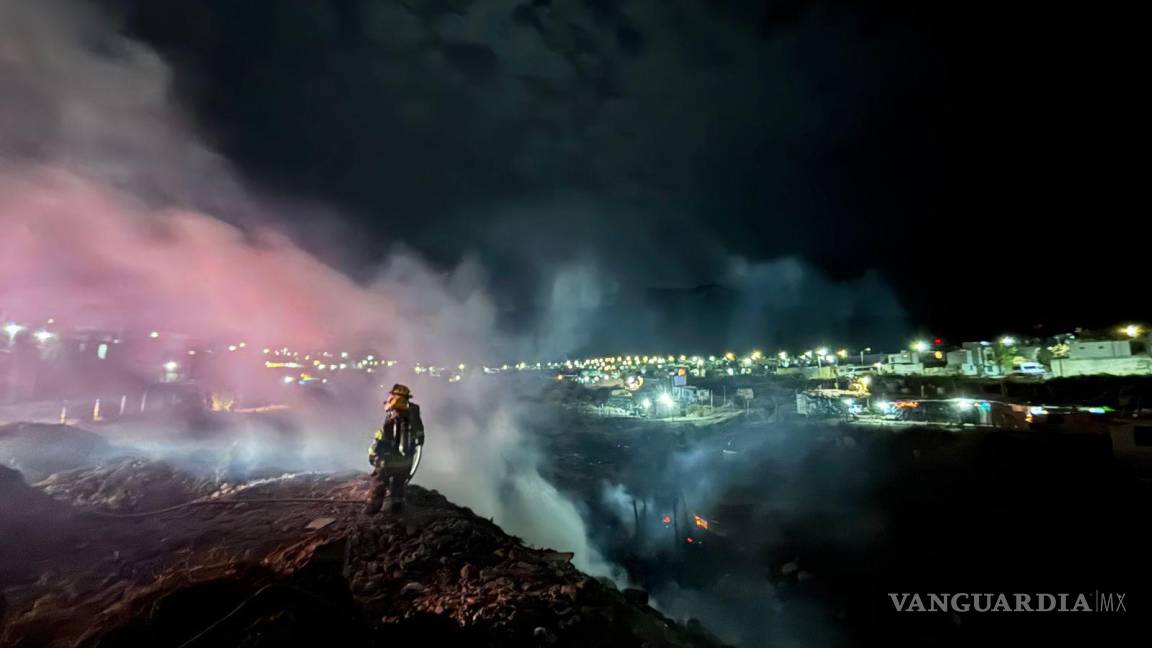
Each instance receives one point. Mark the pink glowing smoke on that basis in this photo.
(94, 258)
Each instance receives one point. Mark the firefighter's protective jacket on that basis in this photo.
(397, 438)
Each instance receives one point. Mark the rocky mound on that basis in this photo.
(315, 569)
(466, 569)
(127, 484)
(38, 449)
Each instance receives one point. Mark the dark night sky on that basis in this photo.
(978, 156)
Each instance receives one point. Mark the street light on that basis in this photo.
(43, 336)
(1132, 330)
(12, 329)
(1007, 340)
(171, 366)
(920, 346)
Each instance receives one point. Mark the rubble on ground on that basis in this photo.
(127, 484)
(263, 574)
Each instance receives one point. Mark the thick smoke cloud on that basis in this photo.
(645, 144)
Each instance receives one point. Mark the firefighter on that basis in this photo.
(393, 450)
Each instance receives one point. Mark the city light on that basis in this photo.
(171, 365)
(154, 334)
(43, 336)
(288, 380)
(646, 403)
(920, 346)
(843, 353)
(1131, 330)
(1008, 340)
(12, 329)
(666, 400)
(822, 351)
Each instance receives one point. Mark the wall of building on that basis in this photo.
(1087, 349)
(903, 369)
(1126, 366)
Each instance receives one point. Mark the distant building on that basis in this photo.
(691, 394)
(975, 359)
(1112, 357)
(1090, 349)
(904, 363)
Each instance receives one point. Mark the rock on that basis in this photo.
(320, 523)
(412, 588)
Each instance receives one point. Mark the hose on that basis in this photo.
(206, 631)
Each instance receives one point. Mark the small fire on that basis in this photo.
(700, 522)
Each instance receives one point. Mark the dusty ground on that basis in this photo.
(261, 573)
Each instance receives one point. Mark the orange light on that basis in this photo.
(700, 522)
